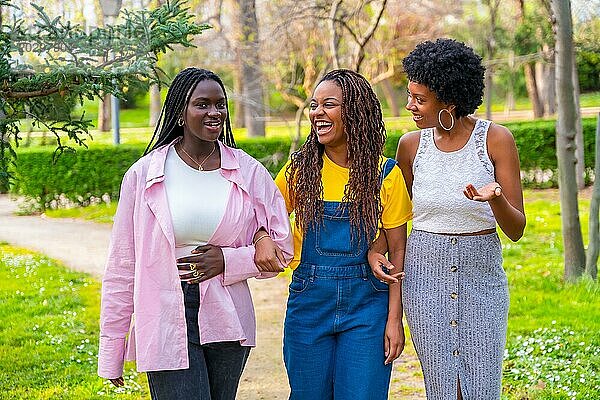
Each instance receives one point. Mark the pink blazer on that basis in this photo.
(142, 312)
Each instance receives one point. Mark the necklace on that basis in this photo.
(199, 164)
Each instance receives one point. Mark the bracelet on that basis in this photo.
(260, 238)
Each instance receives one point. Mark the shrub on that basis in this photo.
(81, 177)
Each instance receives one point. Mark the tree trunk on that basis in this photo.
(532, 91)
(155, 105)
(574, 253)
(5, 153)
(509, 104)
(591, 263)
(488, 92)
(104, 114)
(251, 70)
(333, 35)
(239, 109)
(550, 87)
(579, 150)
(490, 44)
(390, 97)
(238, 90)
(298, 122)
(542, 83)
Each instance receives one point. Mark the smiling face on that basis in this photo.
(206, 111)
(424, 105)
(326, 114)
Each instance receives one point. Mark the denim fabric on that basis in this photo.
(333, 344)
(333, 334)
(215, 368)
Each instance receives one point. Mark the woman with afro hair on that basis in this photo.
(343, 328)
(463, 176)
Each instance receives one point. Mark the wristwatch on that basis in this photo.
(498, 191)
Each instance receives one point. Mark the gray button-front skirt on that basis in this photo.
(455, 297)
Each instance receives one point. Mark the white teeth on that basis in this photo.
(322, 123)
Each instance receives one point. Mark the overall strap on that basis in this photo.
(388, 165)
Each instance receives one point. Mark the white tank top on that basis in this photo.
(197, 202)
(439, 204)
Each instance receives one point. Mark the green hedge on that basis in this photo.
(87, 174)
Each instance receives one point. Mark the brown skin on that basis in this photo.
(268, 257)
(394, 330)
(508, 207)
(204, 118)
(326, 117)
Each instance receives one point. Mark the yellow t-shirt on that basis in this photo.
(396, 204)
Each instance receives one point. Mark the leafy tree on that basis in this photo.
(76, 65)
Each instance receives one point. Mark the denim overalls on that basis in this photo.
(333, 344)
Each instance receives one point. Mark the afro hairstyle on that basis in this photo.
(451, 70)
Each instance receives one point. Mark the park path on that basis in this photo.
(82, 246)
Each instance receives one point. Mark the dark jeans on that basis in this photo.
(215, 368)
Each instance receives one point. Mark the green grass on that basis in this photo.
(554, 327)
(49, 333)
(553, 349)
(101, 213)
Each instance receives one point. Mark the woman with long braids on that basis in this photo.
(463, 176)
(343, 328)
(182, 247)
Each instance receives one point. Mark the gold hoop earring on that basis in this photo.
(180, 122)
(451, 119)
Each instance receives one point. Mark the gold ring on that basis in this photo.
(193, 266)
(196, 274)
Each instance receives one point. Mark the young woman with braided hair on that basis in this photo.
(182, 249)
(343, 328)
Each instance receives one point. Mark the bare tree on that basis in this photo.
(298, 55)
(251, 69)
(351, 27)
(591, 263)
(579, 145)
(574, 253)
(490, 47)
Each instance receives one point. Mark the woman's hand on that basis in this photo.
(206, 262)
(394, 339)
(268, 257)
(378, 262)
(118, 382)
(485, 193)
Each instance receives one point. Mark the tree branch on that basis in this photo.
(27, 95)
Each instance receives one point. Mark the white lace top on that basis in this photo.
(439, 204)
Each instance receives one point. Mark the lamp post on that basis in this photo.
(110, 10)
